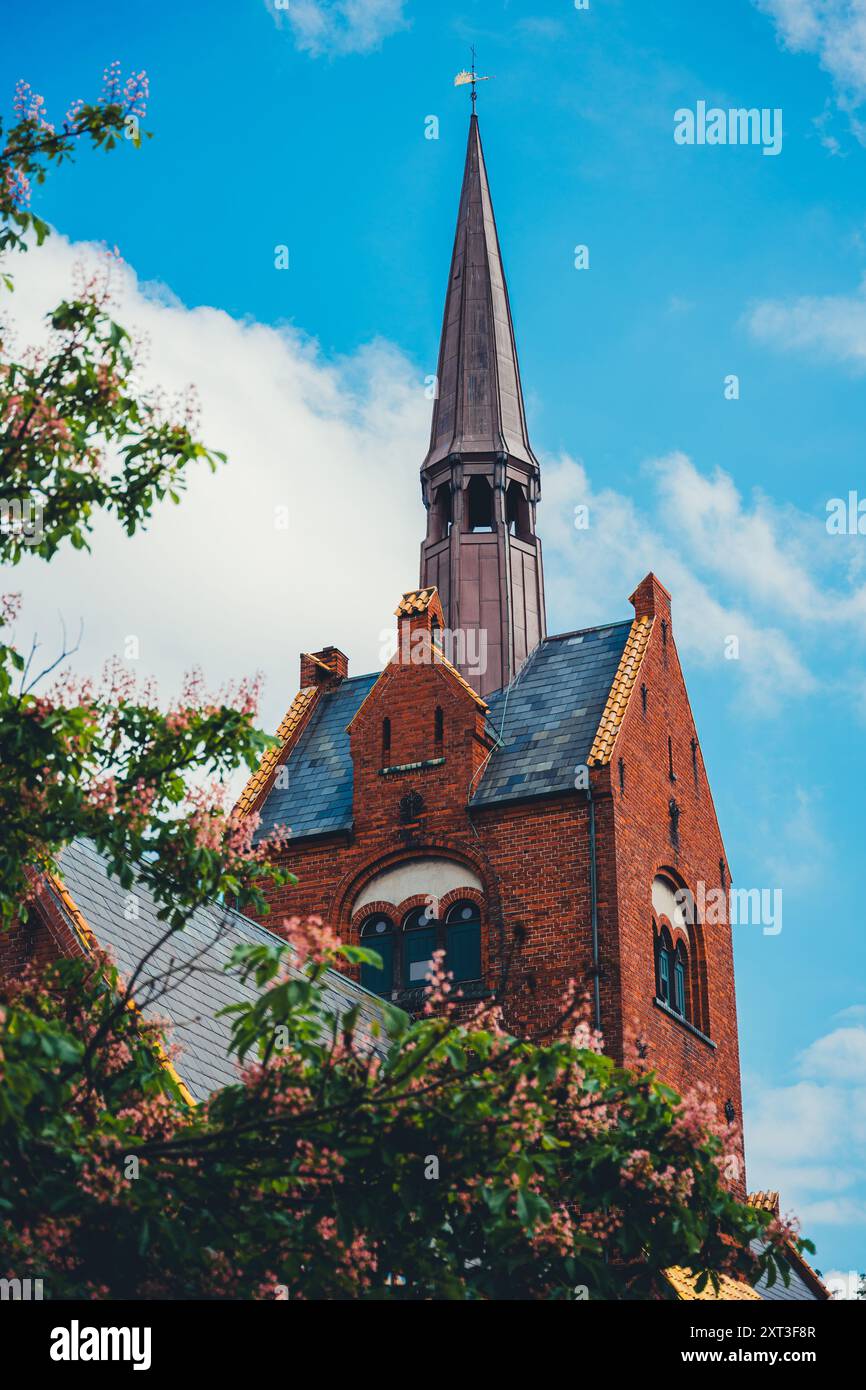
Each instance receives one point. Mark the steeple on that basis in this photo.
(480, 479)
(479, 408)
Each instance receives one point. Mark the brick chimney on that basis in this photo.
(420, 622)
(325, 668)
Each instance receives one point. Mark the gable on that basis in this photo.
(403, 666)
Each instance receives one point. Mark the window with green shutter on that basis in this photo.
(463, 941)
(419, 943)
(679, 1002)
(664, 968)
(378, 934)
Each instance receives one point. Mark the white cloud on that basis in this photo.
(840, 1056)
(833, 30)
(338, 27)
(797, 21)
(808, 1139)
(765, 552)
(856, 1013)
(843, 1284)
(833, 325)
(768, 575)
(214, 581)
(338, 442)
(798, 850)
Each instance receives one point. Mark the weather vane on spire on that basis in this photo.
(464, 77)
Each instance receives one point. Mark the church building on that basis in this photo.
(533, 804)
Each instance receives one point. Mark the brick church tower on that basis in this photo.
(540, 816)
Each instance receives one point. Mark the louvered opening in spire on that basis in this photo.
(479, 409)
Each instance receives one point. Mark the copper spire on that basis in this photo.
(480, 480)
(479, 408)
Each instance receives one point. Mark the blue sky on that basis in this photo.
(305, 127)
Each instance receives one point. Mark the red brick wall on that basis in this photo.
(643, 847)
(17, 943)
(533, 858)
(332, 872)
(45, 936)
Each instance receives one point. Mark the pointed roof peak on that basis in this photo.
(479, 408)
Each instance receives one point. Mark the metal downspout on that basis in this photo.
(593, 899)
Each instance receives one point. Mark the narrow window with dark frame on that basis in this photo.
(378, 934)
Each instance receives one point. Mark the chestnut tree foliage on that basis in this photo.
(442, 1158)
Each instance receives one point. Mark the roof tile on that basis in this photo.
(683, 1282)
(620, 690)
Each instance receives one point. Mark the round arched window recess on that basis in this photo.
(378, 934)
(678, 936)
(463, 940)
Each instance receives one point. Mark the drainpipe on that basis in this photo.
(593, 899)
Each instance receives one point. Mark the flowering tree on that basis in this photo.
(461, 1164)
(447, 1160)
(76, 433)
(79, 436)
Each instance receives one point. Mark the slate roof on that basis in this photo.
(799, 1289)
(805, 1283)
(318, 798)
(547, 719)
(285, 730)
(199, 986)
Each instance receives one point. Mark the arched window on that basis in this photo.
(378, 934)
(680, 971)
(441, 517)
(439, 725)
(517, 511)
(463, 941)
(664, 953)
(678, 1002)
(479, 504)
(419, 943)
(406, 947)
(671, 973)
